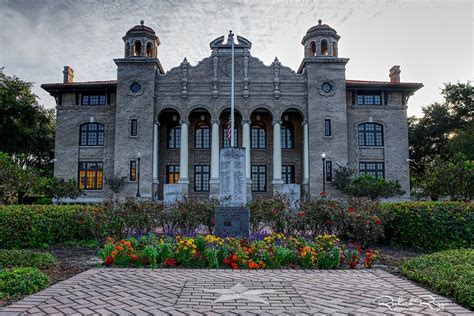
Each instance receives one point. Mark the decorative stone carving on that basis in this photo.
(246, 73)
(215, 78)
(135, 92)
(276, 78)
(327, 88)
(184, 78)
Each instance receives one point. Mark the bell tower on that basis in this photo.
(141, 41)
(327, 109)
(136, 81)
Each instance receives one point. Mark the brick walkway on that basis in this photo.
(193, 292)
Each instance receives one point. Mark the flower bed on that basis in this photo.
(208, 251)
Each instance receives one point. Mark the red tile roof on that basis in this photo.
(349, 84)
(383, 84)
(83, 84)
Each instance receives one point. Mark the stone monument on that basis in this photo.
(232, 217)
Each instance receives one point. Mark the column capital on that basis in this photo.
(276, 122)
(246, 121)
(216, 121)
(305, 122)
(181, 122)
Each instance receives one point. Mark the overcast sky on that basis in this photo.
(431, 41)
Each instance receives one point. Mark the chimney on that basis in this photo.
(68, 74)
(394, 74)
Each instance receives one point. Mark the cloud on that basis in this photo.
(40, 37)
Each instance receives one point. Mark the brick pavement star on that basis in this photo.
(239, 291)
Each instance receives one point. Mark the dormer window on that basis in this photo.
(96, 99)
(324, 47)
(369, 98)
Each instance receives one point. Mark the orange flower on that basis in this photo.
(133, 257)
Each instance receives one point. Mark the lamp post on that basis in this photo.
(323, 157)
(139, 156)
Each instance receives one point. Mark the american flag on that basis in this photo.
(228, 131)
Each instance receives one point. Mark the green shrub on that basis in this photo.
(373, 188)
(429, 225)
(450, 273)
(21, 281)
(31, 226)
(26, 258)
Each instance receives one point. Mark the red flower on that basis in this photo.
(352, 264)
(323, 193)
(233, 265)
(351, 210)
(301, 214)
(378, 221)
(108, 261)
(170, 263)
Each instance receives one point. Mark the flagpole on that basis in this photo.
(232, 124)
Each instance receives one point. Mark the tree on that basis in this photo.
(116, 184)
(59, 188)
(15, 181)
(453, 177)
(26, 128)
(444, 129)
(373, 188)
(343, 176)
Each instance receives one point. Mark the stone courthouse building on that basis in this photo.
(164, 129)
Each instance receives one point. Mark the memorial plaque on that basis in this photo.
(293, 192)
(171, 192)
(233, 191)
(232, 221)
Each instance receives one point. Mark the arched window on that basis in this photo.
(138, 48)
(202, 136)
(174, 137)
(287, 136)
(324, 47)
(91, 134)
(127, 49)
(312, 47)
(370, 134)
(226, 135)
(149, 50)
(259, 137)
(334, 49)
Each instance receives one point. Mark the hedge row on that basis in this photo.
(18, 282)
(429, 225)
(26, 258)
(31, 226)
(449, 272)
(419, 225)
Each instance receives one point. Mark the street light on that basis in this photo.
(323, 157)
(139, 156)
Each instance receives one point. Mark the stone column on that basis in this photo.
(214, 181)
(305, 153)
(246, 145)
(277, 180)
(183, 159)
(155, 160)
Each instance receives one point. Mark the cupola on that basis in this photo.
(141, 41)
(320, 41)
